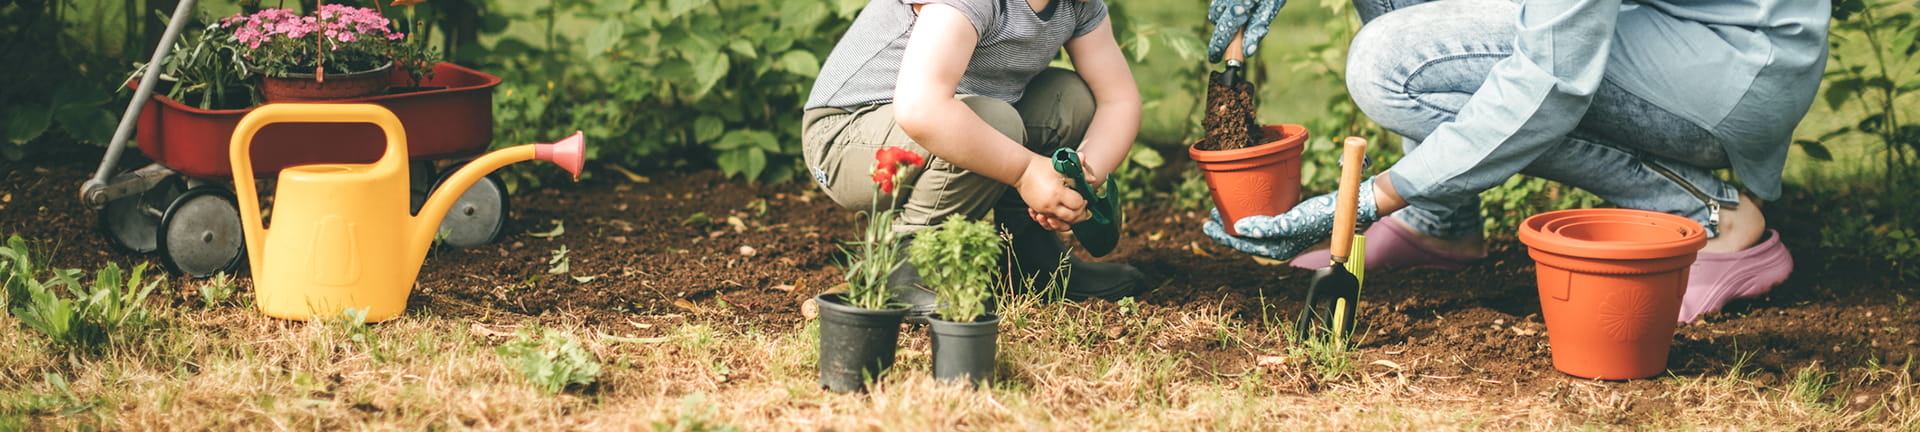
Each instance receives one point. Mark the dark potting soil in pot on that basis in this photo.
(1228, 123)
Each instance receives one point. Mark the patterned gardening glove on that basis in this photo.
(1229, 16)
(1284, 236)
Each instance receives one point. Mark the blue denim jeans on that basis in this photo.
(1415, 63)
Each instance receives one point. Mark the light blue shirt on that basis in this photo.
(1744, 70)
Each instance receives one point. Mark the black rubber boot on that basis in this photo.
(1036, 255)
(904, 284)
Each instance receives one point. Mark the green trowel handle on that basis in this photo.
(1101, 231)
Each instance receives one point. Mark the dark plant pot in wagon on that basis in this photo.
(856, 344)
(1260, 180)
(304, 87)
(965, 350)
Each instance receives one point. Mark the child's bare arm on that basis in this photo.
(1116, 118)
(925, 108)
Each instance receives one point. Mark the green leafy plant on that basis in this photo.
(1877, 85)
(1505, 206)
(960, 261)
(721, 80)
(552, 361)
(205, 70)
(217, 290)
(60, 73)
(1871, 83)
(353, 323)
(112, 309)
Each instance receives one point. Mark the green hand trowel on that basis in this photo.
(1101, 231)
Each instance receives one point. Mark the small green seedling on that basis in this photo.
(217, 290)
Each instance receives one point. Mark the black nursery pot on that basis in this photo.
(856, 344)
(965, 350)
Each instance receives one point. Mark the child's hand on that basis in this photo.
(1050, 201)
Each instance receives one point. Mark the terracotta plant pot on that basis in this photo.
(1259, 180)
(1610, 286)
(856, 344)
(302, 87)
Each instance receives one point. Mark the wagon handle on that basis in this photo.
(93, 193)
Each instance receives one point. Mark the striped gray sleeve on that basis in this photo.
(1092, 13)
(983, 13)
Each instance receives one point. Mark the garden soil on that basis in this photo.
(1229, 123)
(698, 247)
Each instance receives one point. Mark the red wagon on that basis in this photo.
(182, 207)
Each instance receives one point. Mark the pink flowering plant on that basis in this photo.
(336, 39)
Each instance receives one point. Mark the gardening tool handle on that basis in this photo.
(1236, 55)
(1347, 203)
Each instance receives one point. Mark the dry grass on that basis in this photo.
(1063, 367)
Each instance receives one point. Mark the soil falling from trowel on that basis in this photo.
(1229, 122)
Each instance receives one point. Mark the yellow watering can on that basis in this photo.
(342, 237)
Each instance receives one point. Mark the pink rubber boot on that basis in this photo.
(1718, 278)
(1392, 246)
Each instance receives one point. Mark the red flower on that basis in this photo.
(886, 170)
(885, 178)
(894, 156)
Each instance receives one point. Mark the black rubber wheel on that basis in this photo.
(132, 224)
(201, 234)
(478, 217)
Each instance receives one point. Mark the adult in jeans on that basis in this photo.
(965, 83)
(1637, 102)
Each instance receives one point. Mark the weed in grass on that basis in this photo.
(62, 401)
(1810, 384)
(217, 290)
(112, 309)
(1327, 357)
(1225, 331)
(552, 361)
(353, 323)
(696, 415)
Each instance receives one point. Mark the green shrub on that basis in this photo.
(112, 309)
(1871, 83)
(665, 83)
(960, 261)
(553, 361)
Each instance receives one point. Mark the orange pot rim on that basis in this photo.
(1292, 137)
(1542, 231)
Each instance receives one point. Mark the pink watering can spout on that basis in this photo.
(569, 153)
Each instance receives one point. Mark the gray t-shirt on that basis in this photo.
(1015, 44)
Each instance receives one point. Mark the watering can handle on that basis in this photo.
(240, 151)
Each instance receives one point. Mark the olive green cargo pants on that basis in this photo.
(839, 147)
